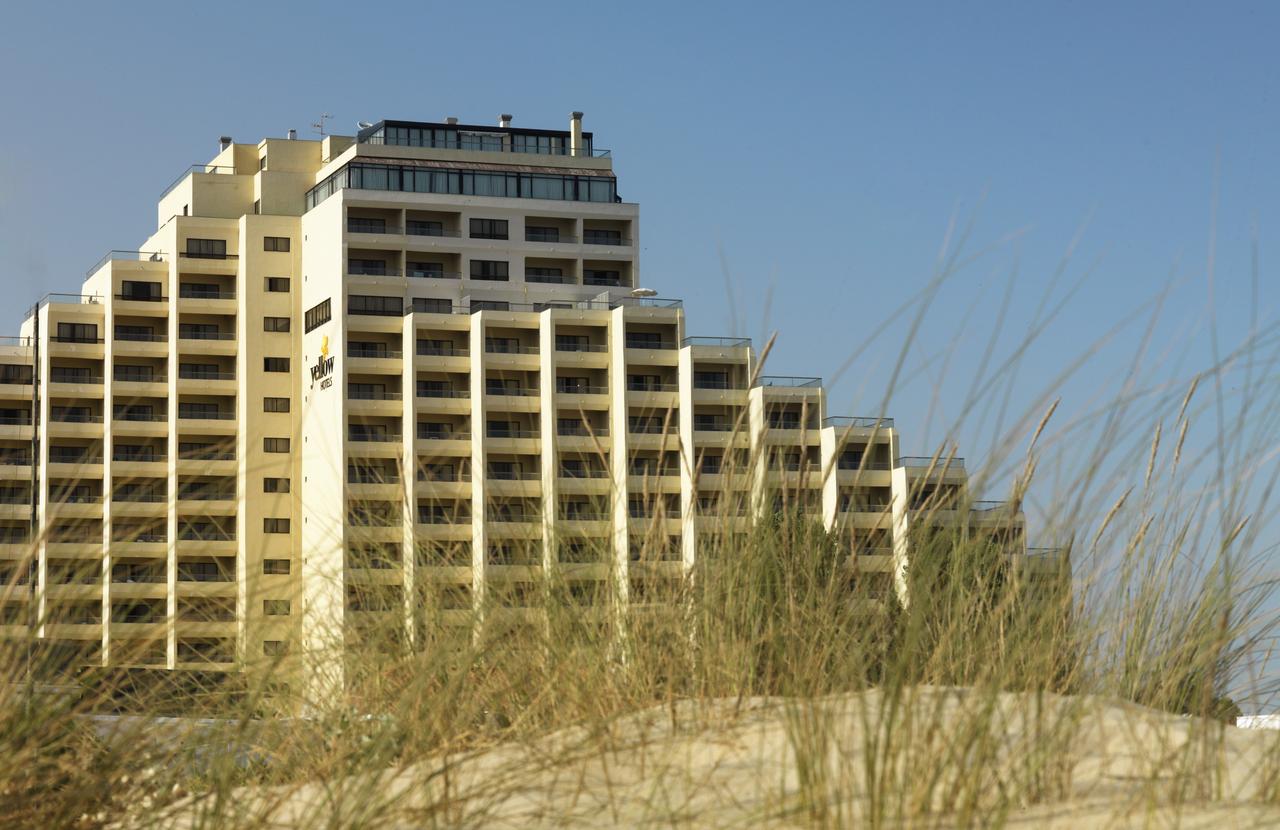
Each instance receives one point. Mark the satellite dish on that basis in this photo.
(643, 292)
(364, 125)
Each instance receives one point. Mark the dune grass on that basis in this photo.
(973, 704)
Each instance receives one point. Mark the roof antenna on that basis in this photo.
(318, 126)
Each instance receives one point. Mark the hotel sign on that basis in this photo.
(322, 371)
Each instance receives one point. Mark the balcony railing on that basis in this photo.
(552, 238)
(64, 299)
(857, 422)
(141, 337)
(582, 390)
(722, 342)
(75, 418)
(373, 396)
(199, 374)
(61, 377)
(15, 420)
(444, 435)
(428, 273)
(989, 506)
(925, 461)
(141, 298)
(188, 292)
(442, 351)
(73, 458)
(145, 458)
(511, 433)
(372, 271)
(207, 255)
(581, 431)
(653, 387)
(595, 348)
(789, 382)
(378, 354)
(506, 348)
(198, 168)
(442, 393)
(197, 334)
(128, 256)
(144, 417)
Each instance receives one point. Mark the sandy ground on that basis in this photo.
(953, 759)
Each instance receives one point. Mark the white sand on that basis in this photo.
(957, 759)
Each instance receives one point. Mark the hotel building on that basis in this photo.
(406, 376)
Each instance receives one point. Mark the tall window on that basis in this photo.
(488, 269)
(488, 228)
(207, 248)
(317, 315)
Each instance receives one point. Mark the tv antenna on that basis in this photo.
(318, 126)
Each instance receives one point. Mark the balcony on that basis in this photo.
(924, 462)
(126, 256)
(789, 382)
(718, 342)
(853, 422)
(193, 292)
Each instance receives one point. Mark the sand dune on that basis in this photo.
(953, 758)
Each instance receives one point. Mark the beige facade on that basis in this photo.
(404, 374)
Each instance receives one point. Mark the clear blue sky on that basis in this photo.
(823, 148)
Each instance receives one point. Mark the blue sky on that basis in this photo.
(813, 153)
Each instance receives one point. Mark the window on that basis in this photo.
(275, 525)
(710, 464)
(275, 567)
(572, 343)
(275, 323)
(136, 333)
(278, 285)
(317, 316)
(202, 291)
(257, 207)
(417, 227)
(275, 444)
(135, 290)
(274, 648)
(710, 380)
(275, 607)
(77, 333)
(596, 276)
(595, 236)
(488, 228)
(275, 485)
(200, 411)
(551, 275)
(262, 162)
(644, 340)
(425, 269)
(535, 233)
(375, 306)
(207, 248)
(275, 404)
(360, 224)
(275, 364)
(369, 267)
(488, 269)
(431, 305)
(275, 243)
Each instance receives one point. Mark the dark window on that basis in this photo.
(317, 315)
(200, 411)
(275, 525)
(275, 243)
(369, 267)
(201, 291)
(361, 224)
(275, 607)
(275, 323)
(425, 269)
(275, 364)
(134, 290)
(431, 305)
(596, 276)
(136, 333)
(533, 233)
(488, 269)
(275, 567)
(257, 207)
(375, 306)
(644, 340)
(262, 162)
(417, 227)
(275, 404)
(77, 333)
(594, 236)
(710, 464)
(275, 444)
(488, 228)
(207, 248)
(278, 285)
(137, 374)
(16, 373)
(572, 343)
(551, 275)
(710, 380)
(275, 485)
(274, 648)
(490, 305)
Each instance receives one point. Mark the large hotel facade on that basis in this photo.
(402, 376)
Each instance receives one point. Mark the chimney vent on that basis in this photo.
(224, 141)
(453, 119)
(504, 121)
(293, 135)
